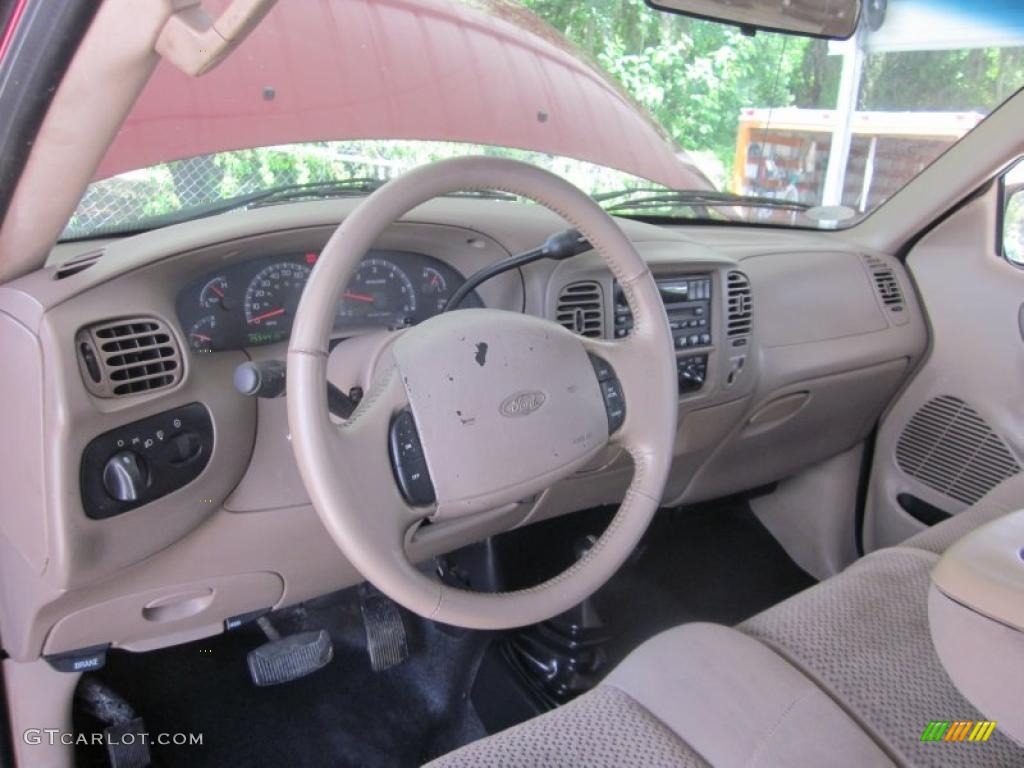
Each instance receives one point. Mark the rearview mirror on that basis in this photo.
(832, 19)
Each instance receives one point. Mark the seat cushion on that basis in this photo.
(695, 695)
(864, 637)
(601, 729)
(738, 703)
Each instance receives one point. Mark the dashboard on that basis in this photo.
(253, 303)
(787, 351)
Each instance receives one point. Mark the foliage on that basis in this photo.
(694, 77)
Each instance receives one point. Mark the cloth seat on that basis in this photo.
(841, 674)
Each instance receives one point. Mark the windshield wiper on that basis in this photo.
(647, 198)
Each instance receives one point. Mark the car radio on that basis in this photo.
(687, 303)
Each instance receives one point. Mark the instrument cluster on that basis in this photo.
(254, 302)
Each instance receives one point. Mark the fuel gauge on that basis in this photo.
(201, 336)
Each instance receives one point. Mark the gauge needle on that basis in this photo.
(202, 336)
(267, 315)
(217, 290)
(363, 297)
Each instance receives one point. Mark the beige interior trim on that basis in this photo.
(106, 75)
(985, 571)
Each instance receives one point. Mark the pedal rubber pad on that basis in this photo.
(385, 632)
(291, 657)
(126, 746)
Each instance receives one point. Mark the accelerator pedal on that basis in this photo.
(284, 659)
(385, 632)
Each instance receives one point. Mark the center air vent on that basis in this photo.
(739, 305)
(581, 309)
(887, 286)
(129, 356)
(950, 448)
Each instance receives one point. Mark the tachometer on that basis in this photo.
(380, 293)
(273, 295)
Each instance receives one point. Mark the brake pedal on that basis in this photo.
(385, 631)
(284, 659)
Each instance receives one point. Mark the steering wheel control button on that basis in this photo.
(144, 460)
(409, 463)
(611, 392)
(602, 368)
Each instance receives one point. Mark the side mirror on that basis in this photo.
(1013, 223)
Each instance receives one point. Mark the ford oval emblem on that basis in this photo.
(522, 403)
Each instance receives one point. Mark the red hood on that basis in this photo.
(326, 70)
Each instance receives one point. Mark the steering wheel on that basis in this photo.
(495, 406)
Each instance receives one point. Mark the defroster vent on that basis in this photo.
(950, 448)
(581, 308)
(739, 319)
(128, 356)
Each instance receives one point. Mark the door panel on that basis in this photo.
(957, 430)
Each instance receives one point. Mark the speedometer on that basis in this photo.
(273, 295)
(380, 293)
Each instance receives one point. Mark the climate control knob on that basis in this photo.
(125, 476)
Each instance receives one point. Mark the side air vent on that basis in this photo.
(127, 357)
(77, 264)
(581, 309)
(739, 319)
(887, 286)
(951, 449)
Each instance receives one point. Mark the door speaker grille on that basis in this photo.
(950, 448)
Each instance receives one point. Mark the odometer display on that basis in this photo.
(273, 296)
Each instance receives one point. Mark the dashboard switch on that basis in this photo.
(187, 446)
(144, 460)
(125, 476)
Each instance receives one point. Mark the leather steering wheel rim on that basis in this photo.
(346, 468)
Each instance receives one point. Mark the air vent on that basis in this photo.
(887, 286)
(77, 264)
(951, 449)
(739, 305)
(128, 357)
(581, 309)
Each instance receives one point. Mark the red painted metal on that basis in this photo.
(12, 25)
(322, 70)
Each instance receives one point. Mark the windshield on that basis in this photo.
(653, 114)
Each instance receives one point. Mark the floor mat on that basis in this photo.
(343, 715)
(710, 562)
